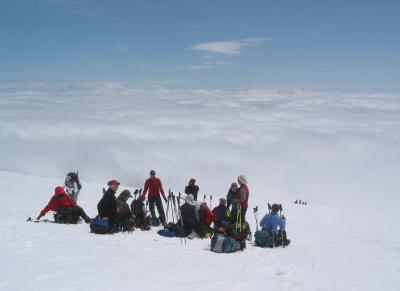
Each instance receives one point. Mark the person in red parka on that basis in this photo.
(154, 186)
(66, 209)
(241, 197)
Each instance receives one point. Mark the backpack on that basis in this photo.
(177, 229)
(75, 178)
(263, 239)
(166, 233)
(101, 226)
(223, 244)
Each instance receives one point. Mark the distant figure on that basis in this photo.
(154, 187)
(299, 201)
(305, 203)
(66, 209)
(107, 206)
(191, 188)
(295, 202)
(275, 225)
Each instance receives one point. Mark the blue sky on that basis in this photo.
(328, 44)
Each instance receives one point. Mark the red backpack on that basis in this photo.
(205, 214)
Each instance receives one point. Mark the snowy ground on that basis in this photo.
(332, 249)
(337, 150)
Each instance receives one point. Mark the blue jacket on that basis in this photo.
(271, 222)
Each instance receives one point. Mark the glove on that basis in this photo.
(283, 217)
(136, 191)
(38, 218)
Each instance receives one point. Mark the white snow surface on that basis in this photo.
(332, 249)
(339, 151)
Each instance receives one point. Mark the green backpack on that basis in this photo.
(263, 239)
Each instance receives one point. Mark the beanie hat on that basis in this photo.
(59, 190)
(192, 180)
(113, 182)
(152, 173)
(242, 179)
(222, 201)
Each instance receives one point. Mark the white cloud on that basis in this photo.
(120, 47)
(229, 48)
(312, 33)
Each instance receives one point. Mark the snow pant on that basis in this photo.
(71, 215)
(160, 208)
(234, 214)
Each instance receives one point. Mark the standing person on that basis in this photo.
(233, 190)
(66, 209)
(71, 188)
(107, 206)
(241, 198)
(192, 188)
(154, 186)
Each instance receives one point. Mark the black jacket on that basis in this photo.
(107, 206)
(220, 214)
(189, 214)
(192, 189)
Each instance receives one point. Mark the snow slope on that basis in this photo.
(332, 249)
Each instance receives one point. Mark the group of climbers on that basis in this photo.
(195, 218)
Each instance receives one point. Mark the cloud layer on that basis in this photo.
(319, 146)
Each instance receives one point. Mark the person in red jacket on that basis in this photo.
(66, 209)
(241, 197)
(153, 185)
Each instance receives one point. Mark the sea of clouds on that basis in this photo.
(323, 146)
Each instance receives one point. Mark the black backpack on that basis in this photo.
(75, 178)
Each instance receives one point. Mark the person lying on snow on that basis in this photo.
(271, 222)
(66, 209)
(124, 218)
(107, 206)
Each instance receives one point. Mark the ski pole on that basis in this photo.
(210, 201)
(204, 198)
(269, 208)
(180, 215)
(280, 214)
(255, 209)
(169, 197)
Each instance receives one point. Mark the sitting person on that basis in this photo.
(124, 218)
(107, 206)
(221, 214)
(271, 222)
(66, 209)
(138, 210)
(190, 215)
(71, 188)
